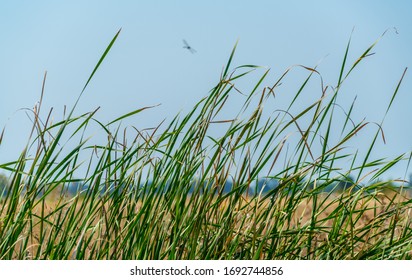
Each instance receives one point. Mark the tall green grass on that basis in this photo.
(159, 194)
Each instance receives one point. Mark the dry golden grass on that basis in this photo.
(368, 219)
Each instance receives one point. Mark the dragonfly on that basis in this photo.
(187, 46)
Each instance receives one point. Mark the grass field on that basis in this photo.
(159, 194)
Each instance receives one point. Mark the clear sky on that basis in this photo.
(148, 64)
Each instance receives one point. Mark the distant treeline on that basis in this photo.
(260, 186)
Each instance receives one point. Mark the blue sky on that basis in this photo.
(148, 65)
